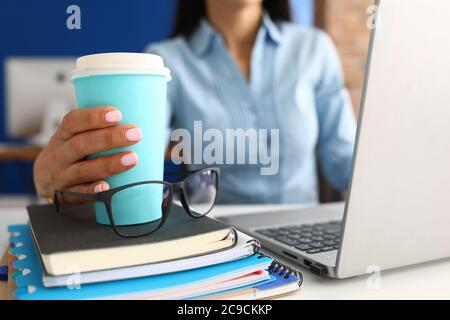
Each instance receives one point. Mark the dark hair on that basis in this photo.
(190, 12)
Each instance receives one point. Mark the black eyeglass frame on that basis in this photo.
(106, 198)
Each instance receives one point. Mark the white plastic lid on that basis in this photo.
(120, 63)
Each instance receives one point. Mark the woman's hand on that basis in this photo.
(63, 165)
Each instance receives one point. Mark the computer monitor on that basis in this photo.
(33, 87)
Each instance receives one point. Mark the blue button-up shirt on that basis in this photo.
(296, 86)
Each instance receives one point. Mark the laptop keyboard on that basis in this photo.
(309, 238)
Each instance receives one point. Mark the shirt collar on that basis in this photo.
(203, 37)
(272, 29)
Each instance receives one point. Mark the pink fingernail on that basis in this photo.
(113, 116)
(98, 188)
(134, 134)
(101, 187)
(129, 159)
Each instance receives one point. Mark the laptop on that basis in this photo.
(398, 208)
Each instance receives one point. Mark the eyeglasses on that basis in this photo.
(198, 193)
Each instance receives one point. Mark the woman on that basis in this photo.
(236, 64)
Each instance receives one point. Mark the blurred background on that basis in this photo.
(37, 52)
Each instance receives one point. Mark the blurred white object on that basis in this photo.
(54, 113)
(38, 93)
(19, 201)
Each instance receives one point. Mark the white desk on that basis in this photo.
(428, 281)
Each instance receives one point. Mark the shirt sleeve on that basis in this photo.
(171, 91)
(336, 119)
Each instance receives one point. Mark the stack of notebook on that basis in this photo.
(72, 257)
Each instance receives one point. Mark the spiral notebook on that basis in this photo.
(282, 285)
(243, 273)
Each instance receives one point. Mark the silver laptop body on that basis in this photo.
(398, 210)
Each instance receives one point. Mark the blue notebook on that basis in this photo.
(30, 286)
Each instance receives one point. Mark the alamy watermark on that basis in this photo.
(234, 146)
(374, 20)
(374, 280)
(73, 21)
(73, 281)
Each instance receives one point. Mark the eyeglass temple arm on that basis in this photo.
(84, 196)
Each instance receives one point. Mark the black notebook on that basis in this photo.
(73, 239)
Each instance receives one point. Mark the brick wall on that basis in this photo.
(346, 22)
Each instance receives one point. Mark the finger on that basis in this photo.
(98, 169)
(90, 142)
(80, 120)
(89, 188)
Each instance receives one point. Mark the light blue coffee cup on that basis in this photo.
(135, 84)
